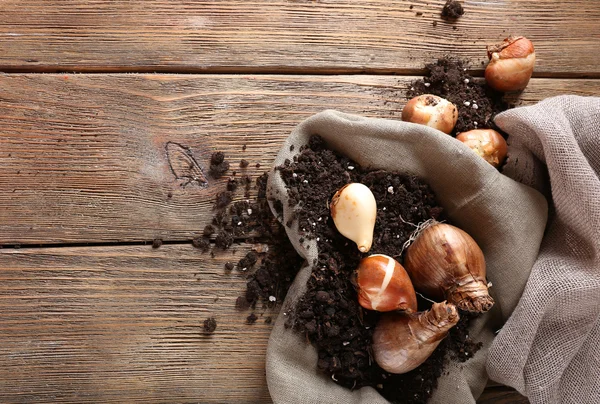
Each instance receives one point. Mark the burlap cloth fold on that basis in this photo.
(546, 285)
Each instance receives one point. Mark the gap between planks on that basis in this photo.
(271, 71)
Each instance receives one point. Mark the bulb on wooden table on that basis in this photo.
(384, 285)
(354, 211)
(402, 342)
(511, 64)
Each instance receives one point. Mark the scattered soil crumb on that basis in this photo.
(210, 325)
(251, 319)
(244, 163)
(268, 320)
(223, 199)
(232, 184)
(452, 10)
(156, 243)
(229, 266)
(224, 240)
(209, 230)
(218, 165)
(202, 243)
(247, 262)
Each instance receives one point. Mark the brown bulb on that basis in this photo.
(487, 143)
(511, 64)
(401, 342)
(444, 262)
(384, 285)
(431, 110)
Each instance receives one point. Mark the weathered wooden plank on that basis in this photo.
(84, 157)
(124, 324)
(333, 36)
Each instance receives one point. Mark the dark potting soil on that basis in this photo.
(271, 271)
(477, 103)
(329, 314)
(452, 10)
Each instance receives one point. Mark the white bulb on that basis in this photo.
(354, 211)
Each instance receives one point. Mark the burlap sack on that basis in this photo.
(505, 217)
(549, 349)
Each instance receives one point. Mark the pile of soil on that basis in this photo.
(329, 314)
(477, 103)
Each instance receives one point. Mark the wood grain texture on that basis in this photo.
(84, 157)
(124, 325)
(288, 35)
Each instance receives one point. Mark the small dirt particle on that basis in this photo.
(244, 163)
(209, 230)
(210, 325)
(218, 165)
(251, 319)
(202, 243)
(232, 184)
(156, 243)
(452, 10)
(248, 261)
(224, 240)
(223, 199)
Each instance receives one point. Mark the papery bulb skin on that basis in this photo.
(402, 342)
(444, 262)
(487, 143)
(431, 110)
(384, 285)
(511, 64)
(354, 211)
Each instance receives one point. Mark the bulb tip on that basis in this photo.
(363, 249)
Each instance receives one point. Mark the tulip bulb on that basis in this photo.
(511, 64)
(444, 262)
(432, 111)
(487, 143)
(354, 210)
(384, 285)
(401, 341)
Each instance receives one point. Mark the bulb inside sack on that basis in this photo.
(354, 211)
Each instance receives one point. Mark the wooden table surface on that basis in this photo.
(90, 94)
